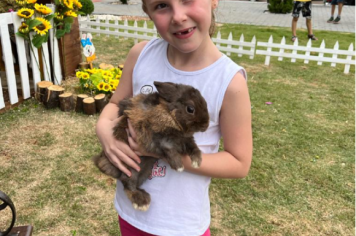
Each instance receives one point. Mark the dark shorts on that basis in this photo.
(336, 2)
(305, 7)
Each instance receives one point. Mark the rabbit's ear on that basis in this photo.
(168, 91)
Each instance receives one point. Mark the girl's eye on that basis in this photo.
(161, 6)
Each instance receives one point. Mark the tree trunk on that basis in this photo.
(41, 90)
(100, 102)
(89, 106)
(51, 99)
(66, 101)
(79, 104)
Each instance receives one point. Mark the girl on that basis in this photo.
(185, 54)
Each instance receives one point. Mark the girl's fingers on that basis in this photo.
(131, 130)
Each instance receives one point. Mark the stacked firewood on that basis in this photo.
(53, 96)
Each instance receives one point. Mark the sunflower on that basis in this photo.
(24, 28)
(70, 13)
(21, 2)
(85, 75)
(68, 3)
(31, 1)
(77, 3)
(25, 13)
(106, 87)
(100, 86)
(43, 28)
(43, 9)
(79, 74)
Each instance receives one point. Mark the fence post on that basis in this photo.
(126, 24)
(336, 47)
(349, 58)
(107, 22)
(294, 52)
(135, 33)
(218, 36)
(9, 63)
(269, 50)
(97, 20)
(253, 47)
(34, 63)
(228, 46)
(281, 51)
(116, 30)
(145, 27)
(242, 39)
(321, 54)
(155, 33)
(307, 52)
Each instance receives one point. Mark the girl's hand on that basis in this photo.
(118, 152)
(131, 134)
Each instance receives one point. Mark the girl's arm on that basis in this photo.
(235, 123)
(119, 153)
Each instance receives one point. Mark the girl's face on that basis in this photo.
(184, 24)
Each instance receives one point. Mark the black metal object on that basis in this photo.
(7, 203)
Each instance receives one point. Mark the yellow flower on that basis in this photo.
(24, 28)
(43, 9)
(77, 3)
(25, 13)
(117, 76)
(68, 3)
(59, 16)
(86, 85)
(106, 73)
(106, 87)
(78, 74)
(70, 13)
(85, 75)
(91, 71)
(43, 28)
(31, 1)
(114, 82)
(100, 86)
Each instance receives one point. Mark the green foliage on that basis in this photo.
(280, 6)
(87, 7)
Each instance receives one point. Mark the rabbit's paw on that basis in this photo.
(196, 160)
(195, 164)
(106, 166)
(140, 200)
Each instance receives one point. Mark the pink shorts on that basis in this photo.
(129, 230)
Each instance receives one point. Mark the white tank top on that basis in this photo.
(179, 200)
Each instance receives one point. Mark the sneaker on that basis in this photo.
(312, 37)
(331, 19)
(336, 21)
(294, 38)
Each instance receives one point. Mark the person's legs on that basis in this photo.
(309, 26)
(294, 26)
(333, 5)
(295, 14)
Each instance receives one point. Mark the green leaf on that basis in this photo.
(67, 27)
(68, 20)
(46, 37)
(60, 33)
(32, 23)
(38, 40)
(22, 35)
(57, 2)
(49, 17)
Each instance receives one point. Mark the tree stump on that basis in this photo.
(100, 102)
(51, 98)
(89, 106)
(41, 90)
(79, 104)
(66, 101)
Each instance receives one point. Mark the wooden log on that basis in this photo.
(66, 101)
(79, 104)
(89, 106)
(100, 102)
(51, 99)
(41, 90)
(121, 66)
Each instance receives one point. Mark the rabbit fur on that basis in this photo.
(165, 122)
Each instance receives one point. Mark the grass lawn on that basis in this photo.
(301, 180)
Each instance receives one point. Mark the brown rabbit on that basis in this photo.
(165, 122)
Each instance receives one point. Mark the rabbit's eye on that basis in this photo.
(190, 109)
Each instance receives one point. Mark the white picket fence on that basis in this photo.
(123, 29)
(23, 50)
(348, 60)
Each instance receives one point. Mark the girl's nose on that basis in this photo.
(179, 15)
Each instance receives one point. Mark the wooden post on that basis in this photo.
(89, 106)
(41, 90)
(100, 102)
(51, 99)
(66, 101)
(79, 104)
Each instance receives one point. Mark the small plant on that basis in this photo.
(280, 6)
(87, 7)
(95, 81)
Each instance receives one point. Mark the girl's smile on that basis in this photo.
(185, 33)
